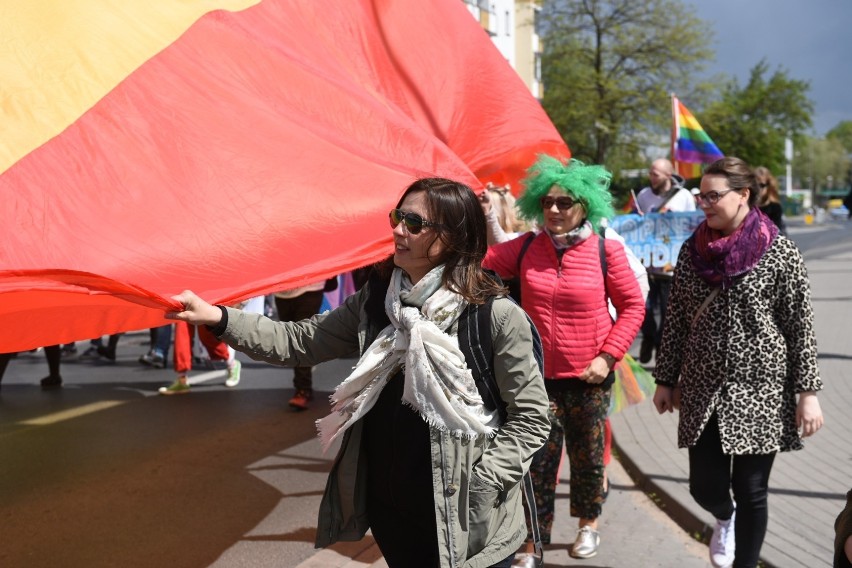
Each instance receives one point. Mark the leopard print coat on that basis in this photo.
(746, 356)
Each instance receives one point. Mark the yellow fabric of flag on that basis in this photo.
(59, 57)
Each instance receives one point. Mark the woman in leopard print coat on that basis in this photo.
(738, 347)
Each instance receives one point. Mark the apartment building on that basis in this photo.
(513, 27)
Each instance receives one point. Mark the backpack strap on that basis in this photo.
(474, 333)
(374, 306)
(527, 242)
(674, 190)
(514, 284)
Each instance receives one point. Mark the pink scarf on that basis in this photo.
(719, 259)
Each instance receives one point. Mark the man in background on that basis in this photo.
(665, 193)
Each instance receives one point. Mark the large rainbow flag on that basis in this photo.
(231, 147)
(691, 146)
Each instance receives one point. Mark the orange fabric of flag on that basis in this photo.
(260, 150)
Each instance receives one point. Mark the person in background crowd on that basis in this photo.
(843, 535)
(564, 292)
(97, 349)
(738, 358)
(770, 201)
(502, 207)
(665, 193)
(295, 305)
(423, 462)
(53, 355)
(161, 340)
(216, 349)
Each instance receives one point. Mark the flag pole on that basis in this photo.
(674, 132)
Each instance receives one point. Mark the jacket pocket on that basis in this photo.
(482, 512)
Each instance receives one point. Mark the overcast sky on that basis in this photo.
(811, 39)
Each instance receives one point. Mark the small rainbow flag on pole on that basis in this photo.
(691, 147)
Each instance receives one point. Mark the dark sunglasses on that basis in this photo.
(563, 203)
(414, 223)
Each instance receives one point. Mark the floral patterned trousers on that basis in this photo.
(577, 416)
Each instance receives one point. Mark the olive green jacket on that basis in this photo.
(476, 483)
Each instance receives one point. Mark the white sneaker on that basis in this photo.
(586, 544)
(722, 543)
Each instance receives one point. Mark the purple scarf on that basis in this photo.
(718, 259)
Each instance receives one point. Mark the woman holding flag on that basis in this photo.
(424, 462)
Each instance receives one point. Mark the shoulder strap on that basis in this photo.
(474, 333)
(675, 189)
(527, 242)
(602, 254)
(374, 306)
(713, 293)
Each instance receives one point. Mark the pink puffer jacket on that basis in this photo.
(567, 300)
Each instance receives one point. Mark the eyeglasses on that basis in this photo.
(563, 203)
(713, 197)
(414, 223)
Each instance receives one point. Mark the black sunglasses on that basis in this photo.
(563, 203)
(414, 223)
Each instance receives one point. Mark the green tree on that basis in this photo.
(609, 67)
(822, 164)
(843, 134)
(752, 121)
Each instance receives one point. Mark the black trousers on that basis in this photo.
(400, 499)
(712, 476)
(296, 309)
(658, 299)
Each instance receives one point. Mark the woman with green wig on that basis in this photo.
(565, 292)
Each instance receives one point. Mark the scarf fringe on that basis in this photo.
(438, 384)
(490, 431)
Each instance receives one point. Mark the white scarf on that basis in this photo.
(438, 384)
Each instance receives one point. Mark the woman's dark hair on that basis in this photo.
(462, 230)
(739, 175)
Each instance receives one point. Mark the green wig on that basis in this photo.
(587, 184)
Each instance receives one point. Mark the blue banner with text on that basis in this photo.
(656, 238)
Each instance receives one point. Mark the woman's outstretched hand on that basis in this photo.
(195, 310)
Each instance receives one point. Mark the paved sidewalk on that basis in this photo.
(807, 489)
(634, 532)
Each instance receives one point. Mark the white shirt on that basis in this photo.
(649, 201)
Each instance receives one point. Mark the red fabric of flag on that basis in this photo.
(260, 151)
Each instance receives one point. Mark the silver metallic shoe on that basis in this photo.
(524, 560)
(586, 544)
